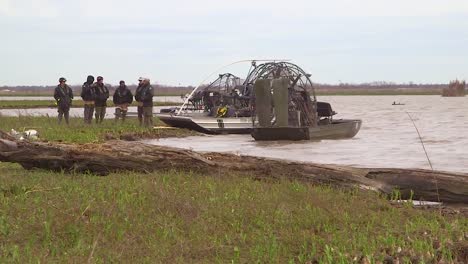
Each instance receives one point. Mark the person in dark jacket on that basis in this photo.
(122, 98)
(88, 93)
(100, 102)
(139, 103)
(144, 96)
(63, 94)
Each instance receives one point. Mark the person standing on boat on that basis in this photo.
(102, 93)
(88, 94)
(122, 98)
(63, 94)
(144, 96)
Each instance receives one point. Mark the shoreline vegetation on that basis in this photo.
(78, 132)
(374, 88)
(319, 92)
(77, 103)
(175, 216)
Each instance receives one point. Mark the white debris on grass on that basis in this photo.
(30, 134)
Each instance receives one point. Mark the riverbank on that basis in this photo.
(174, 216)
(78, 132)
(30, 104)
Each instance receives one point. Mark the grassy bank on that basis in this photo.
(24, 104)
(174, 217)
(170, 217)
(78, 132)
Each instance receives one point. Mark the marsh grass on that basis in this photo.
(173, 217)
(78, 132)
(179, 217)
(25, 104)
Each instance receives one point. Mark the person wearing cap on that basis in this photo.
(138, 99)
(144, 96)
(88, 93)
(100, 102)
(122, 98)
(63, 94)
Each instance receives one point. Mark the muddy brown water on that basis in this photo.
(387, 137)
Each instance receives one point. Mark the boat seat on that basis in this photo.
(324, 109)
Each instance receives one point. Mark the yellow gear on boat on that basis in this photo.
(222, 111)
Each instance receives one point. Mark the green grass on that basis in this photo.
(178, 217)
(172, 217)
(78, 132)
(51, 103)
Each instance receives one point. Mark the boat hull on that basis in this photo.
(343, 128)
(209, 125)
(340, 129)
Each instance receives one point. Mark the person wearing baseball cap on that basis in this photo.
(63, 95)
(122, 98)
(102, 93)
(138, 100)
(144, 96)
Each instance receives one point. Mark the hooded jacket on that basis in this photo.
(88, 93)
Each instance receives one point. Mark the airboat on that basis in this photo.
(275, 101)
(221, 107)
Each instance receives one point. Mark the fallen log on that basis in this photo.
(114, 156)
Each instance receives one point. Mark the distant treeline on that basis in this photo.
(379, 88)
(49, 90)
(343, 88)
(380, 85)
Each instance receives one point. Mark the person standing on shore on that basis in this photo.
(88, 94)
(138, 99)
(100, 102)
(63, 94)
(144, 96)
(122, 98)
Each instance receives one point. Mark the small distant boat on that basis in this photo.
(395, 103)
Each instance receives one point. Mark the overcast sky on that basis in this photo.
(181, 41)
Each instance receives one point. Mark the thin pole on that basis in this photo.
(427, 156)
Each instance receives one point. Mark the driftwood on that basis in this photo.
(114, 156)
